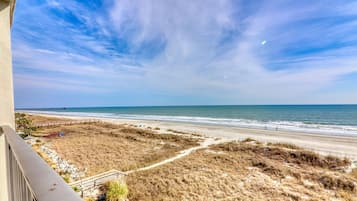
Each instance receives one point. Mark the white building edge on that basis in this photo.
(24, 176)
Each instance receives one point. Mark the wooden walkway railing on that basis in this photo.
(93, 182)
(48, 124)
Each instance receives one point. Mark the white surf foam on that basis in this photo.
(245, 123)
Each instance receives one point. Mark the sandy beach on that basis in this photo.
(161, 160)
(343, 146)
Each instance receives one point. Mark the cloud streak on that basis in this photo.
(225, 52)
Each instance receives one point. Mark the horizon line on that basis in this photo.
(128, 106)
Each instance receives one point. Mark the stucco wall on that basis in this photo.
(6, 85)
(6, 94)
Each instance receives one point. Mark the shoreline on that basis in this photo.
(278, 125)
(338, 145)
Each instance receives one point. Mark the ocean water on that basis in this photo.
(323, 119)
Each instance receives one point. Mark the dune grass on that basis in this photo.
(246, 171)
(99, 147)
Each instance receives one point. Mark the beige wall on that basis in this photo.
(6, 93)
(6, 85)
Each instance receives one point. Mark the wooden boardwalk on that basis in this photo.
(98, 180)
(48, 124)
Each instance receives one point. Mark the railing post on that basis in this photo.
(4, 168)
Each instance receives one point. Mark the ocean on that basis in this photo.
(322, 119)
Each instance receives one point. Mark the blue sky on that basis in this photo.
(130, 52)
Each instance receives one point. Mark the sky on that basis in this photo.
(198, 52)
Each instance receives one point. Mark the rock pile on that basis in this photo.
(61, 164)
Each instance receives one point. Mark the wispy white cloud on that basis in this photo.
(192, 57)
(241, 52)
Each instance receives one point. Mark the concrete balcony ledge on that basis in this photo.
(30, 176)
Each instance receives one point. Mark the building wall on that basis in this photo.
(6, 85)
(6, 93)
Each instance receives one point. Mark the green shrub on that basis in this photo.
(66, 178)
(116, 191)
(76, 189)
(24, 124)
(23, 136)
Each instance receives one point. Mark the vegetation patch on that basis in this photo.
(267, 167)
(248, 140)
(337, 183)
(245, 171)
(116, 191)
(299, 157)
(24, 124)
(284, 145)
(100, 147)
(76, 188)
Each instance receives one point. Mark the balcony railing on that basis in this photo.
(30, 178)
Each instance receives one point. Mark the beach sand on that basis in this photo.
(207, 162)
(342, 146)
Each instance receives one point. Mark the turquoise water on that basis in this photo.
(333, 119)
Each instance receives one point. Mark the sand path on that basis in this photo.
(207, 142)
